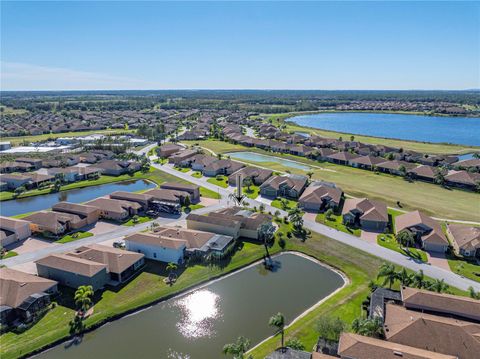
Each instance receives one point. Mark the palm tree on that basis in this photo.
(248, 182)
(278, 321)
(310, 174)
(439, 286)
(83, 297)
(439, 178)
(387, 271)
(404, 277)
(284, 204)
(406, 238)
(171, 268)
(295, 216)
(419, 279)
(238, 349)
(473, 293)
(368, 327)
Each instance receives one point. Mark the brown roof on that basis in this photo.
(293, 182)
(247, 219)
(371, 210)
(368, 160)
(117, 260)
(440, 302)
(361, 347)
(217, 220)
(343, 156)
(113, 205)
(130, 196)
(170, 195)
(72, 264)
(194, 239)
(463, 177)
(251, 171)
(76, 208)
(45, 218)
(395, 165)
(179, 186)
(466, 237)
(417, 218)
(16, 286)
(424, 171)
(318, 193)
(432, 332)
(156, 240)
(224, 163)
(11, 223)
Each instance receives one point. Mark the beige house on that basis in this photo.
(320, 197)
(168, 195)
(284, 186)
(56, 223)
(141, 198)
(465, 239)
(115, 209)
(370, 215)
(191, 189)
(88, 214)
(168, 149)
(13, 230)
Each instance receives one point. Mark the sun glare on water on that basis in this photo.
(199, 310)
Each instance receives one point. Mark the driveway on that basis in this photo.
(438, 260)
(208, 201)
(310, 216)
(31, 244)
(370, 237)
(102, 227)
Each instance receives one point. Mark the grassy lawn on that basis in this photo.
(9, 254)
(252, 193)
(197, 174)
(337, 223)
(74, 236)
(140, 219)
(443, 203)
(192, 207)
(221, 181)
(278, 204)
(182, 169)
(390, 242)
(468, 269)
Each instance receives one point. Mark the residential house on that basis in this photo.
(395, 167)
(121, 264)
(257, 175)
(191, 189)
(55, 223)
(155, 247)
(423, 173)
(319, 197)
(182, 158)
(13, 230)
(465, 239)
(470, 163)
(301, 150)
(168, 149)
(9, 167)
(168, 195)
(117, 168)
(23, 295)
(220, 225)
(15, 180)
(463, 179)
(424, 228)
(88, 214)
(366, 162)
(72, 271)
(118, 210)
(222, 167)
(342, 158)
(284, 186)
(200, 161)
(369, 215)
(36, 163)
(143, 199)
(322, 153)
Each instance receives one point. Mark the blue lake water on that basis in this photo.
(457, 130)
(46, 201)
(256, 157)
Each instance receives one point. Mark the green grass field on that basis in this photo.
(9, 254)
(74, 236)
(337, 223)
(465, 268)
(221, 181)
(251, 193)
(139, 219)
(389, 241)
(290, 204)
(197, 174)
(432, 199)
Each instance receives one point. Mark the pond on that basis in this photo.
(198, 324)
(457, 130)
(257, 157)
(79, 195)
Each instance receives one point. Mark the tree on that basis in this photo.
(281, 240)
(83, 298)
(473, 293)
(388, 273)
(284, 203)
(352, 138)
(403, 170)
(404, 277)
(329, 214)
(19, 190)
(76, 325)
(476, 155)
(187, 202)
(439, 286)
(248, 183)
(277, 213)
(329, 327)
(406, 238)
(171, 268)
(419, 279)
(135, 219)
(309, 174)
(295, 343)
(368, 327)
(278, 322)
(295, 216)
(261, 207)
(238, 349)
(439, 178)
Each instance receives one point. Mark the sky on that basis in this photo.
(67, 45)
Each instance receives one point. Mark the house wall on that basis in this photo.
(268, 191)
(73, 280)
(114, 215)
(434, 247)
(8, 240)
(373, 225)
(157, 253)
(248, 233)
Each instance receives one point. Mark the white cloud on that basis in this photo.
(20, 76)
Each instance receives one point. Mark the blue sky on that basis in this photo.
(239, 45)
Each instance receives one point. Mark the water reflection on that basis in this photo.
(199, 310)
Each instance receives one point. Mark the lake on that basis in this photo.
(457, 130)
(257, 157)
(198, 324)
(79, 195)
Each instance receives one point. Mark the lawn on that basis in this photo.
(74, 236)
(221, 181)
(9, 254)
(337, 222)
(390, 242)
(442, 202)
(465, 268)
(182, 169)
(252, 193)
(136, 220)
(197, 174)
(290, 204)
(148, 287)
(192, 207)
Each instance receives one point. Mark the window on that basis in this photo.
(154, 255)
